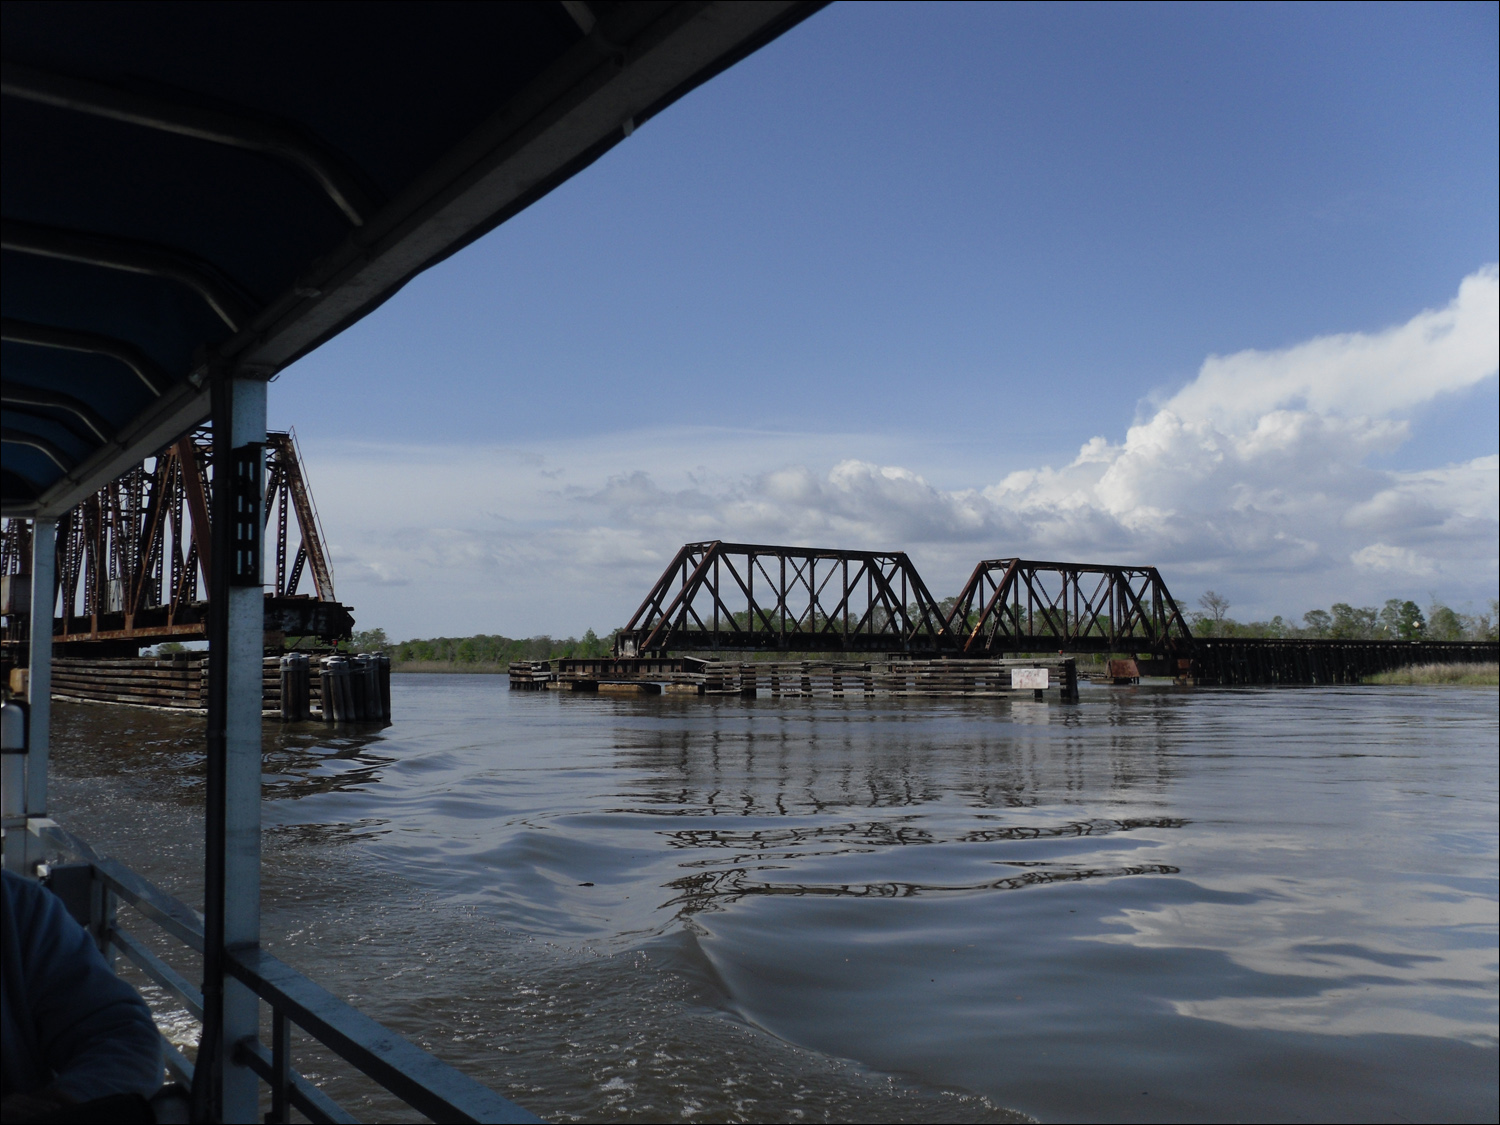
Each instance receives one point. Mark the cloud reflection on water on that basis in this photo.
(1426, 968)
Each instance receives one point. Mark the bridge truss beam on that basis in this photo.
(133, 559)
(1024, 605)
(755, 597)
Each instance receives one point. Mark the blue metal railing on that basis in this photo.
(425, 1083)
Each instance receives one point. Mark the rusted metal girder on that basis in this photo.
(1022, 605)
(132, 560)
(754, 597)
(286, 492)
(739, 597)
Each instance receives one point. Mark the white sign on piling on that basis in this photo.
(1029, 678)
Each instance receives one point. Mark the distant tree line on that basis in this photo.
(482, 650)
(1398, 619)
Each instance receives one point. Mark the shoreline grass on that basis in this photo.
(1463, 675)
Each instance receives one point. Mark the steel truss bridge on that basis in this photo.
(739, 597)
(133, 559)
(1010, 605)
(749, 597)
(755, 597)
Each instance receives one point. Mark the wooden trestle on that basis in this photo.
(1227, 661)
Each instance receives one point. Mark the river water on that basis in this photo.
(1157, 904)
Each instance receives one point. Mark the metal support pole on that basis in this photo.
(39, 677)
(247, 623)
(281, 1067)
(227, 1091)
(13, 786)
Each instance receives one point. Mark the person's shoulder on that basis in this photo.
(24, 893)
(19, 893)
(32, 909)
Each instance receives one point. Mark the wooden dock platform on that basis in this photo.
(1026, 677)
(293, 689)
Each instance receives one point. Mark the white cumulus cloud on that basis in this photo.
(1355, 375)
(1256, 476)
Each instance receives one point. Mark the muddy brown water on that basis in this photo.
(1157, 904)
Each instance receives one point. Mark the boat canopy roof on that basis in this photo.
(192, 189)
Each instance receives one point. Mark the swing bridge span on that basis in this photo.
(717, 597)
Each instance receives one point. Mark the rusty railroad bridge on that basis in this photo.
(133, 560)
(717, 597)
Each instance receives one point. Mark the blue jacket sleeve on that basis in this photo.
(69, 1024)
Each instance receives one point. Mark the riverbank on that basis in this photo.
(1468, 675)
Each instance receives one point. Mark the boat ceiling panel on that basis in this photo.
(191, 188)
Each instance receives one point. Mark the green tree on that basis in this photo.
(493, 652)
(1413, 626)
(1402, 620)
(369, 640)
(1489, 623)
(1350, 623)
(1443, 623)
(1214, 605)
(1390, 618)
(1319, 622)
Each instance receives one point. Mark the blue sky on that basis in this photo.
(952, 244)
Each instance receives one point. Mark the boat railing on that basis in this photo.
(92, 885)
